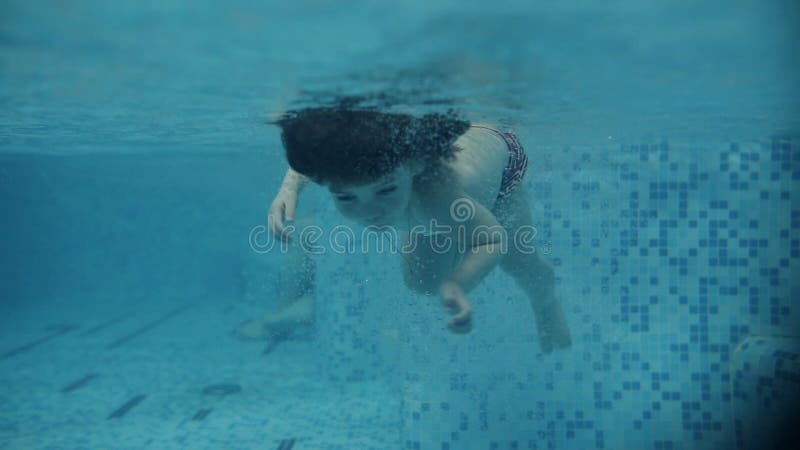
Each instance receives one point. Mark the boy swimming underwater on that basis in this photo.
(405, 172)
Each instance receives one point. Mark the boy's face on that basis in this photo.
(382, 202)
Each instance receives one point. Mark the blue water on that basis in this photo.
(134, 161)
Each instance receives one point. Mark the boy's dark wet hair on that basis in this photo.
(352, 146)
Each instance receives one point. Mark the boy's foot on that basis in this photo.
(553, 329)
(252, 330)
(281, 322)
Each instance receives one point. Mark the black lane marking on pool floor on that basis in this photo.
(222, 389)
(147, 327)
(56, 332)
(201, 414)
(77, 384)
(61, 327)
(286, 444)
(122, 410)
(105, 324)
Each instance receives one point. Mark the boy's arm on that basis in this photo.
(285, 202)
(294, 181)
(483, 236)
(477, 263)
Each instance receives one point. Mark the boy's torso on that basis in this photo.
(477, 167)
(480, 163)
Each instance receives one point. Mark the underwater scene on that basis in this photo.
(202, 206)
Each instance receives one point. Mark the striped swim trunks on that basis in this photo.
(517, 162)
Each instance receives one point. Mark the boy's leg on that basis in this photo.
(532, 273)
(297, 284)
(298, 269)
(295, 293)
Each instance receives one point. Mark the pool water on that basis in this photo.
(135, 160)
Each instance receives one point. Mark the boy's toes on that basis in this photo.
(251, 330)
(562, 341)
(556, 336)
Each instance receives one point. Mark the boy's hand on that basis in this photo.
(455, 300)
(282, 209)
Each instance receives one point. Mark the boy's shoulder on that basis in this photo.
(436, 189)
(436, 179)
